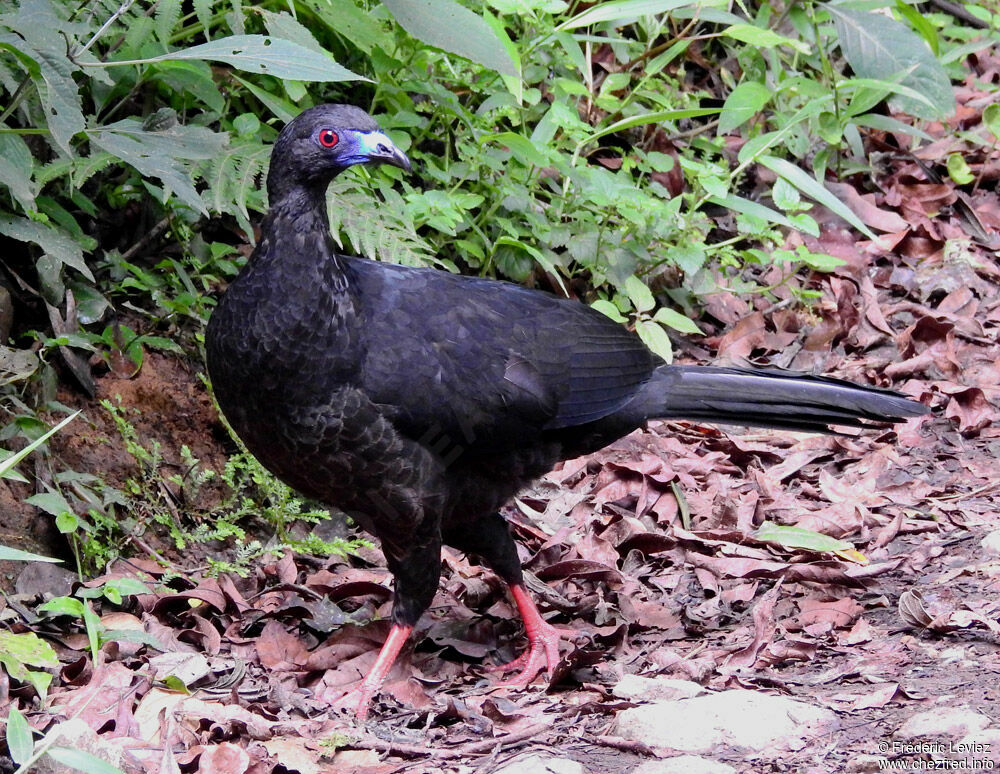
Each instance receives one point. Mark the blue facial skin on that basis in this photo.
(368, 147)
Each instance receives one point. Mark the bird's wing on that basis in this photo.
(488, 362)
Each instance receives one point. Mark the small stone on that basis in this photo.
(950, 722)
(741, 719)
(991, 543)
(636, 688)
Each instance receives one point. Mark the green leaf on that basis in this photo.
(52, 503)
(156, 153)
(650, 118)
(54, 241)
(63, 606)
(522, 148)
(958, 169)
(609, 309)
(814, 190)
(283, 25)
(798, 537)
(639, 294)
(20, 743)
(449, 26)
(12, 460)
(42, 52)
(919, 23)
(23, 650)
(346, 19)
(752, 208)
(890, 124)
(82, 761)
(16, 165)
(654, 337)
(882, 48)
(745, 101)
(67, 522)
(8, 554)
(991, 118)
(762, 38)
(622, 9)
(258, 54)
(820, 261)
(676, 320)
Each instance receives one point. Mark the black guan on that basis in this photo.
(420, 402)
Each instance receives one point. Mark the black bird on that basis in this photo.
(420, 402)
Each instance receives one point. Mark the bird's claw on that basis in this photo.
(542, 654)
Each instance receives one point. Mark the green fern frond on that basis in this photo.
(233, 180)
(391, 237)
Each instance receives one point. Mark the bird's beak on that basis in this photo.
(379, 149)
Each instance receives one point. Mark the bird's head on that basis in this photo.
(323, 141)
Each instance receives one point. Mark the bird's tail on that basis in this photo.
(769, 397)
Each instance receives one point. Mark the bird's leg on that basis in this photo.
(543, 643)
(416, 571)
(489, 538)
(377, 674)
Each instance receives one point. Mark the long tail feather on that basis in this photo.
(769, 397)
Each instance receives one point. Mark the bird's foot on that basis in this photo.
(542, 654)
(360, 698)
(543, 644)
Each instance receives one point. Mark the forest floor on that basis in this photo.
(648, 556)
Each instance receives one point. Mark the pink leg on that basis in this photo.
(543, 643)
(376, 676)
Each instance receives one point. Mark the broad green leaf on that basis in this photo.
(514, 83)
(890, 124)
(820, 261)
(345, 18)
(281, 107)
(650, 118)
(522, 148)
(82, 761)
(16, 165)
(743, 103)
(20, 743)
(258, 54)
(451, 27)
(654, 337)
(63, 606)
(798, 537)
(763, 38)
(675, 320)
(156, 153)
(814, 190)
(919, 23)
(54, 241)
(285, 26)
(609, 309)
(535, 253)
(622, 9)
(879, 47)
(40, 48)
(8, 554)
(752, 208)
(991, 118)
(52, 503)
(639, 294)
(25, 650)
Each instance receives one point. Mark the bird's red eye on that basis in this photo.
(328, 138)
